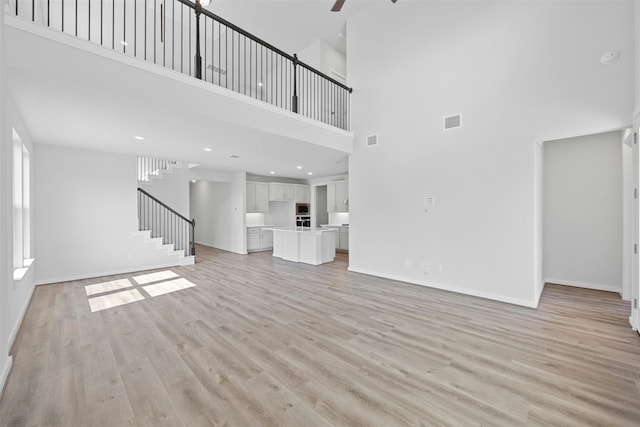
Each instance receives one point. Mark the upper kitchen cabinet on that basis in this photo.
(303, 193)
(337, 197)
(281, 192)
(257, 197)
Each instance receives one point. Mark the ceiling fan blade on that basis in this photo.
(337, 5)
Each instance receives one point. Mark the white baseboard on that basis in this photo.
(586, 285)
(456, 289)
(104, 273)
(5, 374)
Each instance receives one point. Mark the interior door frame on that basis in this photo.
(634, 318)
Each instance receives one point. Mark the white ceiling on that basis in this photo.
(291, 25)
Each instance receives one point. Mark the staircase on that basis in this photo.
(150, 169)
(159, 224)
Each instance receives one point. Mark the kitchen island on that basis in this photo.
(309, 245)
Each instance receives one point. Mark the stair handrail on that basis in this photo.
(192, 221)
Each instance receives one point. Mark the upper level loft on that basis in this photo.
(94, 73)
(186, 37)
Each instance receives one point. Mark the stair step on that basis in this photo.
(187, 260)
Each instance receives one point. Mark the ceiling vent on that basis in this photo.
(372, 141)
(452, 122)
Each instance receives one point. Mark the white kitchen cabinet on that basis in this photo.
(266, 239)
(303, 193)
(253, 239)
(281, 192)
(337, 197)
(259, 239)
(257, 197)
(343, 239)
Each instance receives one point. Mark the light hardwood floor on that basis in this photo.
(261, 341)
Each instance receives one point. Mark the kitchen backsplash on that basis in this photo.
(338, 218)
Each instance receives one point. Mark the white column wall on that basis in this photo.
(6, 240)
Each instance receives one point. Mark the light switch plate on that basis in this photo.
(429, 201)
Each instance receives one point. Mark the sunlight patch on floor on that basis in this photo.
(167, 287)
(114, 300)
(167, 281)
(154, 277)
(113, 285)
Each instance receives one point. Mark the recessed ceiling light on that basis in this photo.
(124, 43)
(309, 173)
(193, 180)
(272, 173)
(299, 167)
(260, 84)
(139, 138)
(609, 57)
(207, 149)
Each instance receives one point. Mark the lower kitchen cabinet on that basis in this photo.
(259, 239)
(343, 239)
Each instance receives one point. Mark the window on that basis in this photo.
(21, 208)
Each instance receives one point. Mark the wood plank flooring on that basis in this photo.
(260, 341)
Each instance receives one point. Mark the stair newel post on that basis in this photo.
(198, 58)
(294, 99)
(193, 236)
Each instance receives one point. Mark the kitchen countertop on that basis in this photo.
(260, 226)
(301, 229)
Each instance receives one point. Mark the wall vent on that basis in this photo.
(216, 69)
(452, 122)
(372, 141)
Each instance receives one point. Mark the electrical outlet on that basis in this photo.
(439, 268)
(427, 268)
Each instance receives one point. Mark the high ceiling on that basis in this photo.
(290, 25)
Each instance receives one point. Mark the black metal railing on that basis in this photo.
(164, 222)
(171, 33)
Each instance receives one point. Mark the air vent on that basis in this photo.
(372, 141)
(234, 156)
(452, 122)
(216, 69)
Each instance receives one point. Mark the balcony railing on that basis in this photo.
(183, 37)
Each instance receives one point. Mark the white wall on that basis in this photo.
(19, 294)
(583, 211)
(515, 82)
(6, 206)
(211, 207)
(325, 58)
(86, 211)
(238, 209)
(218, 208)
(172, 189)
